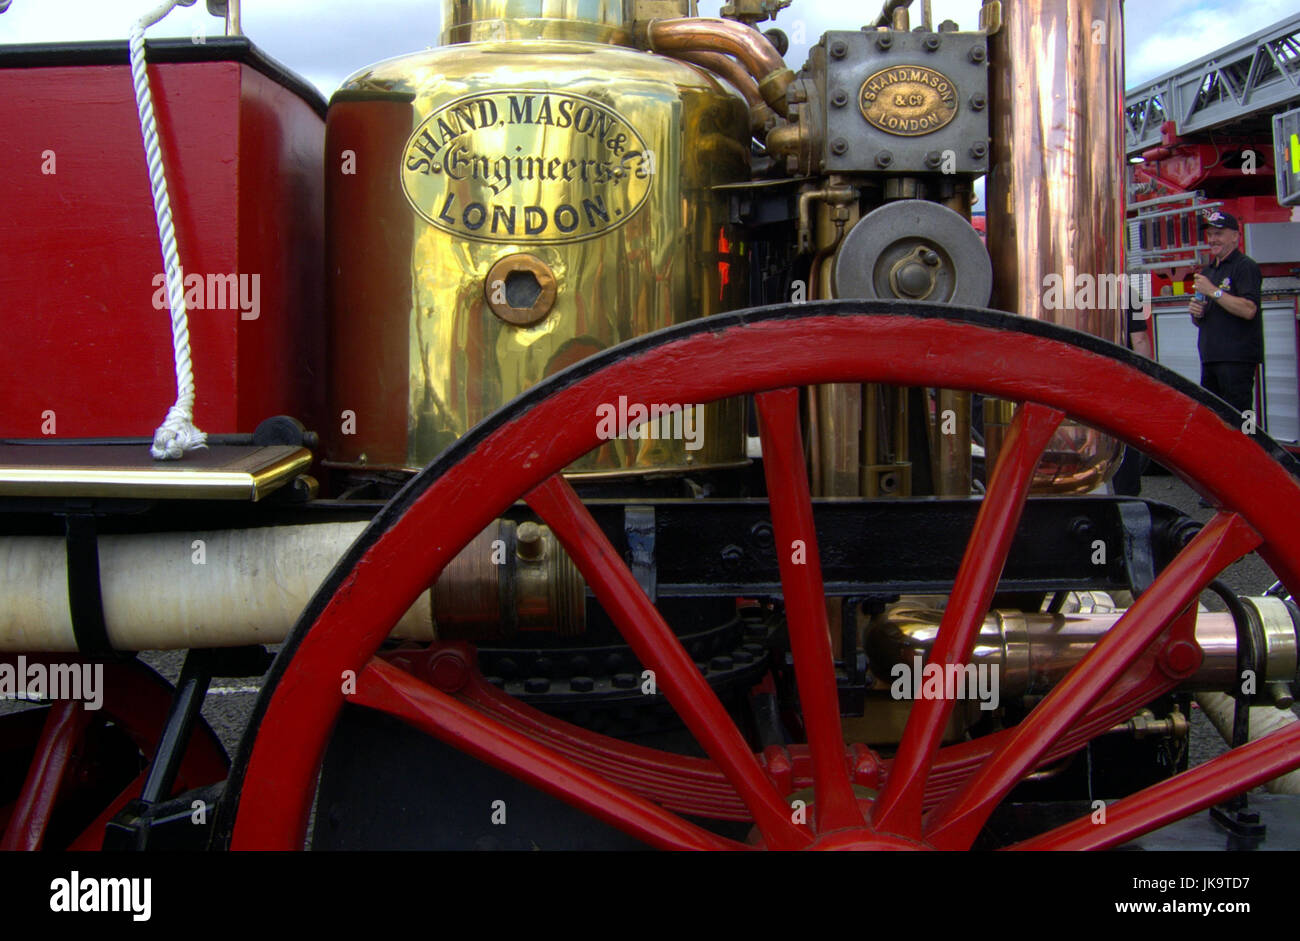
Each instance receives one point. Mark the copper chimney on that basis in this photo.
(1055, 194)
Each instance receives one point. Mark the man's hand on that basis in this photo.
(1204, 285)
(1197, 308)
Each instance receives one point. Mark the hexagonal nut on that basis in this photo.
(520, 289)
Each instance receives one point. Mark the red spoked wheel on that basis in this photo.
(83, 766)
(928, 797)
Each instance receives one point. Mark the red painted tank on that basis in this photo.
(87, 351)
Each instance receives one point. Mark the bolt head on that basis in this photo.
(978, 149)
(840, 99)
(537, 684)
(884, 41)
(978, 101)
(1182, 656)
(933, 159)
(914, 280)
(529, 544)
(839, 49)
(978, 54)
(448, 671)
(931, 43)
(839, 146)
(884, 158)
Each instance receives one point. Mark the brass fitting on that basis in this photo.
(510, 580)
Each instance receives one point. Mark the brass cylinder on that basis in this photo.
(1055, 193)
(587, 170)
(1034, 652)
(509, 581)
(950, 459)
(603, 21)
(950, 447)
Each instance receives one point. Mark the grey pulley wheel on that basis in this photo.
(914, 250)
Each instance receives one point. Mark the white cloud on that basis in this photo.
(1159, 41)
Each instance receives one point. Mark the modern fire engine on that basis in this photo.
(1215, 134)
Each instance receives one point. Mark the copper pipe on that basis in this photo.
(1035, 651)
(950, 453)
(726, 68)
(950, 460)
(1055, 189)
(754, 50)
(837, 408)
(761, 116)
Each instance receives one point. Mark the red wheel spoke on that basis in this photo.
(59, 737)
(1224, 539)
(898, 809)
(658, 648)
(389, 689)
(1231, 773)
(835, 805)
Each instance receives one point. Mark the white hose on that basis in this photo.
(1219, 708)
(173, 591)
(177, 433)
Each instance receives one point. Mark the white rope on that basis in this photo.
(177, 433)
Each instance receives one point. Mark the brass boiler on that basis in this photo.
(498, 208)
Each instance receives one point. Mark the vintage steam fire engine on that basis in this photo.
(591, 402)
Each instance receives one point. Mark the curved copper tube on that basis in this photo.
(707, 34)
(761, 116)
(727, 69)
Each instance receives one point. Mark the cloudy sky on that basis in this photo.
(326, 40)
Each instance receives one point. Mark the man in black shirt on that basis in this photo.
(1231, 343)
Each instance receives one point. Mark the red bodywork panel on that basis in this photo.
(80, 250)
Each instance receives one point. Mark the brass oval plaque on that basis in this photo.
(908, 100)
(526, 165)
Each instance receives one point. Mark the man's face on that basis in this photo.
(1222, 242)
